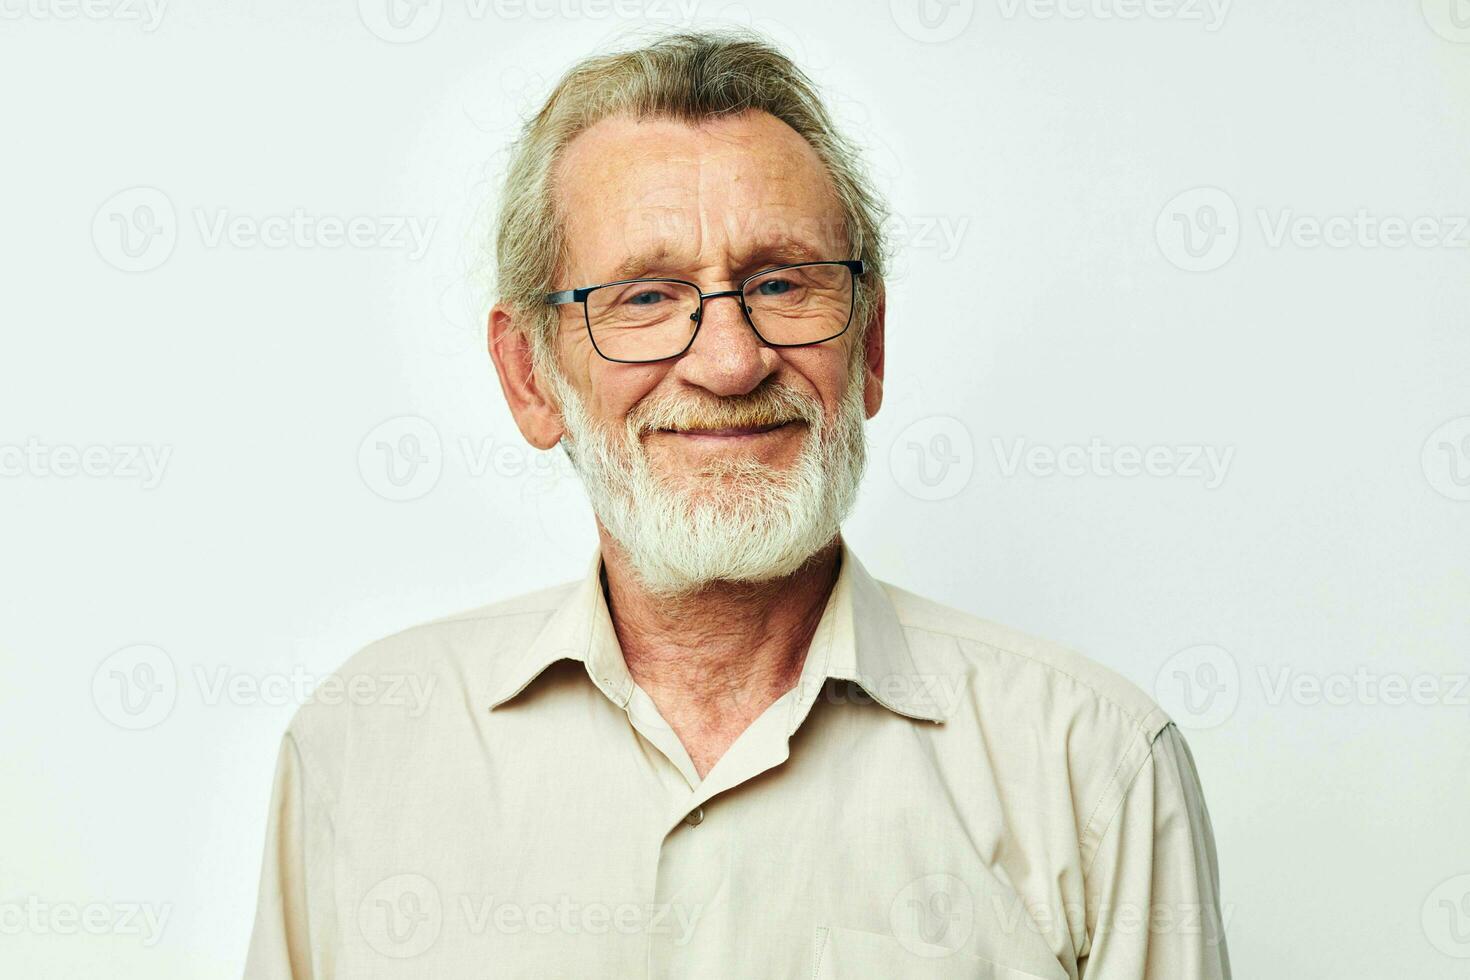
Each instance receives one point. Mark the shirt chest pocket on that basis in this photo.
(849, 954)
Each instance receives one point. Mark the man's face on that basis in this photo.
(734, 460)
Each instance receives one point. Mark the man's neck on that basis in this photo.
(715, 660)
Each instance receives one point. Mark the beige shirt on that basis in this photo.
(491, 795)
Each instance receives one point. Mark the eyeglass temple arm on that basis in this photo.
(566, 296)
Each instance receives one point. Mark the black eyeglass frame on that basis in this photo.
(580, 294)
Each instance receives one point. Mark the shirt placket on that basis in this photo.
(698, 924)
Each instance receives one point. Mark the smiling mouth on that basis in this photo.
(731, 432)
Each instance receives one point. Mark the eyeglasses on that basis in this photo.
(635, 321)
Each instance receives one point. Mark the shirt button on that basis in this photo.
(695, 818)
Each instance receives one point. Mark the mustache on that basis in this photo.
(772, 404)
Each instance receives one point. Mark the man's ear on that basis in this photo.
(873, 357)
(530, 399)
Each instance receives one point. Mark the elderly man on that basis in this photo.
(727, 751)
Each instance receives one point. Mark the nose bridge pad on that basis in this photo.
(698, 315)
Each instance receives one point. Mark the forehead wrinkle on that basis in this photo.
(580, 178)
(701, 229)
(776, 181)
(748, 241)
(780, 223)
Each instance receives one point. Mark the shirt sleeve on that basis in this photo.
(1153, 890)
(289, 909)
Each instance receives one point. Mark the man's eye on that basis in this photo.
(773, 287)
(646, 298)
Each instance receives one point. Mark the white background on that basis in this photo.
(1051, 288)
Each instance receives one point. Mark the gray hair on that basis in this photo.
(690, 76)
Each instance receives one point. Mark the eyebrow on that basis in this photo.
(640, 264)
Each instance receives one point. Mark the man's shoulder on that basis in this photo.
(471, 640)
(390, 680)
(1021, 672)
(483, 630)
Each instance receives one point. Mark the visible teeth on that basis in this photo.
(748, 427)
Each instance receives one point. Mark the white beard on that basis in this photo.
(737, 520)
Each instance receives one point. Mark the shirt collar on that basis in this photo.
(858, 639)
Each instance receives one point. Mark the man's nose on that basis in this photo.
(726, 358)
